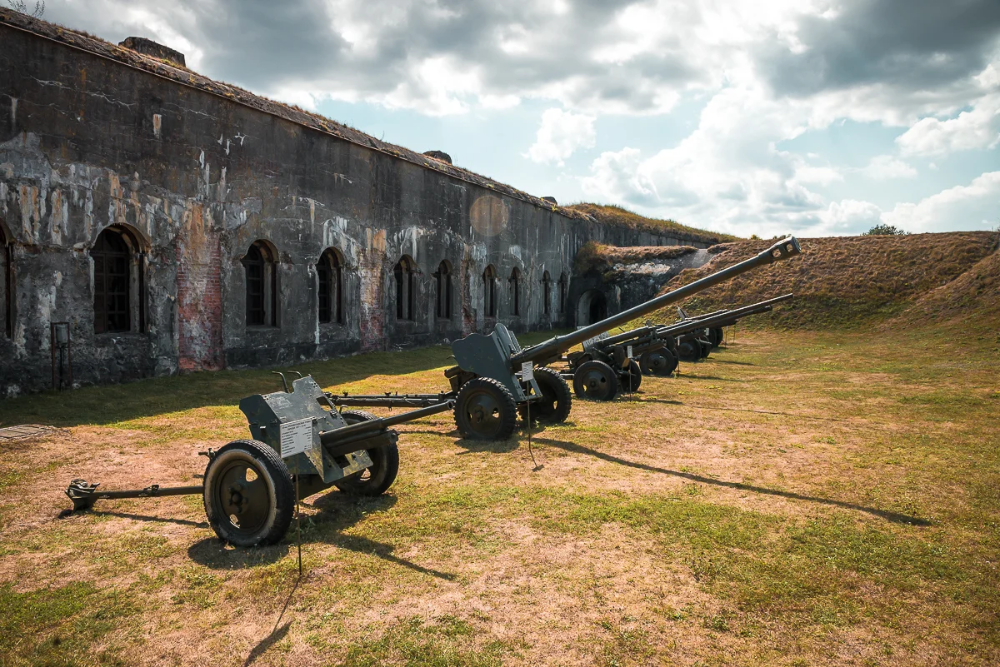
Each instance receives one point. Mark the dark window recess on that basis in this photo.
(261, 284)
(546, 293)
(112, 282)
(329, 272)
(443, 277)
(490, 291)
(403, 273)
(515, 286)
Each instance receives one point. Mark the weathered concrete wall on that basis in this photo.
(87, 142)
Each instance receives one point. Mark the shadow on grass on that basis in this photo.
(337, 513)
(277, 633)
(143, 517)
(108, 404)
(893, 517)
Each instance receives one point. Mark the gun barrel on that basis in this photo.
(784, 249)
(346, 433)
(721, 318)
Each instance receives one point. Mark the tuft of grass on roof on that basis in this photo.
(611, 214)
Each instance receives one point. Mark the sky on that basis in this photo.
(812, 117)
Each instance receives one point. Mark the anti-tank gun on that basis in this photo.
(695, 337)
(495, 379)
(651, 350)
(301, 445)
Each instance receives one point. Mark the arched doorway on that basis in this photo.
(592, 307)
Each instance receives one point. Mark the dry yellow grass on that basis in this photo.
(790, 501)
(843, 281)
(616, 215)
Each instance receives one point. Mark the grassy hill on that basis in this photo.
(616, 215)
(853, 281)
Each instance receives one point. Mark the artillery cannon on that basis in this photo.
(656, 347)
(299, 448)
(693, 338)
(495, 379)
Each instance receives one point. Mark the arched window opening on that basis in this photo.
(562, 293)
(403, 272)
(546, 293)
(262, 285)
(330, 276)
(7, 284)
(515, 287)
(490, 291)
(443, 279)
(119, 290)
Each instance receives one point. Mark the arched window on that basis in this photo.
(490, 291)
(443, 278)
(118, 282)
(515, 288)
(546, 293)
(6, 284)
(403, 273)
(330, 276)
(562, 293)
(262, 285)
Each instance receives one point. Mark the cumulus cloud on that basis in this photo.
(973, 206)
(617, 176)
(560, 135)
(764, 73)
(977, 128)
(885, 167)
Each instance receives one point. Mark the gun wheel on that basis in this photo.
(595, 381)
(556, 400)
(704, 347)
(661, 363)
(716, 336)
(631, 378)
(377, 478)
(249, 495)
(485, 410)
(689, 350)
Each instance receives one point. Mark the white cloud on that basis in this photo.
(973, 206)
(886, 167)
(617, 177)
(975, 129)
(848, 216)
(560, 135)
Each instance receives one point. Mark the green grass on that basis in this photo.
(795, 494)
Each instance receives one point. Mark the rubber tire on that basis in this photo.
(632, 378)
(717, 336)
(384, 468)
(610, 391)
(505, 403)
(554, 387)
(689, 350)
(281, 489)
(705, 348)
(645, 363)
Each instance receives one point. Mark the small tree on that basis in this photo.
(21, 6)
(886, 230)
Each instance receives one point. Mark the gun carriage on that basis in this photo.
(301, 445)
(495, 379)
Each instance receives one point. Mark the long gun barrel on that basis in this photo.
(721, 318)
(784, 249)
